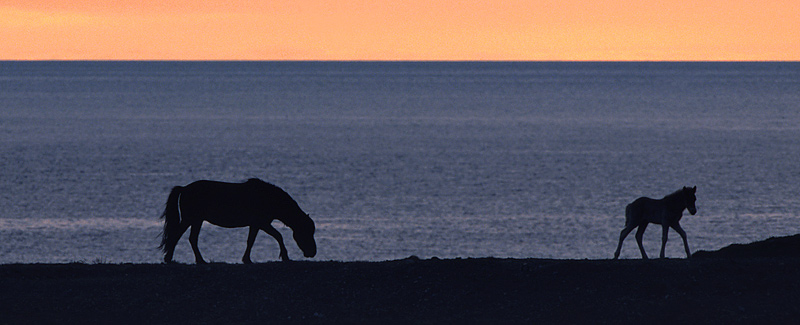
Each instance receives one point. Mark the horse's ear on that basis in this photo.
(694, 189)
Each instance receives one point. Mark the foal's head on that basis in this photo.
(688, 196)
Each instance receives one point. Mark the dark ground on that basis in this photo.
(712, 287)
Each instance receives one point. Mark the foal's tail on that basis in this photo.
(628, 214)
(172, 218)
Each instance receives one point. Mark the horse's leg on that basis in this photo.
(639, 235)
(680, 231)
(251, 239)
(624, 233)
(193, 240)
(664, 233)
(173, 241)
(277, 235)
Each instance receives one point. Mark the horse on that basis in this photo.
(666, 212)
(253, 204)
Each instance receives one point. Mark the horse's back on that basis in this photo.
(246, 190)
(209, 193)
(236, 204)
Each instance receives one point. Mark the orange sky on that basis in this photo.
(400, 30)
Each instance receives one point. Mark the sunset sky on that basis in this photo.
(400, 30)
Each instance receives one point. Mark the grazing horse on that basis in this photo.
(666, 212)
(253, 204)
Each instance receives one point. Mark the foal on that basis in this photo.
(666, 212)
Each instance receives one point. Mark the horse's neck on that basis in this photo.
(289, 220)
(285, 221)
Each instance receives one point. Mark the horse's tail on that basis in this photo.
(172, 218)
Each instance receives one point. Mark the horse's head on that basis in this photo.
(303, 233)
(688, 194)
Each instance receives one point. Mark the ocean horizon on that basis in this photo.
(394, 159)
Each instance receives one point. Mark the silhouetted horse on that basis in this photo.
(253, 204)
(666, 212)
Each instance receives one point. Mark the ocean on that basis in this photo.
(396, 159)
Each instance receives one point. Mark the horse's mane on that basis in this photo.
(271, 188)
(257, 181)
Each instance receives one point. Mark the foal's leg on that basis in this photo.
(193, 240)
(680, 231)
(664, 233)
(277, 235)
(639, 235)
(624, 233)
(251, 239)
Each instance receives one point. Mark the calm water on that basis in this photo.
(396, 159)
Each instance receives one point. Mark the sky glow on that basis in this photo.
(565, 30)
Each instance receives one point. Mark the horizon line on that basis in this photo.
(401, 61)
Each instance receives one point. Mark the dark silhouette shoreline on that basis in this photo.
(715, 288)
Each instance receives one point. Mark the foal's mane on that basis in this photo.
(679, 194)
(674, 194)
